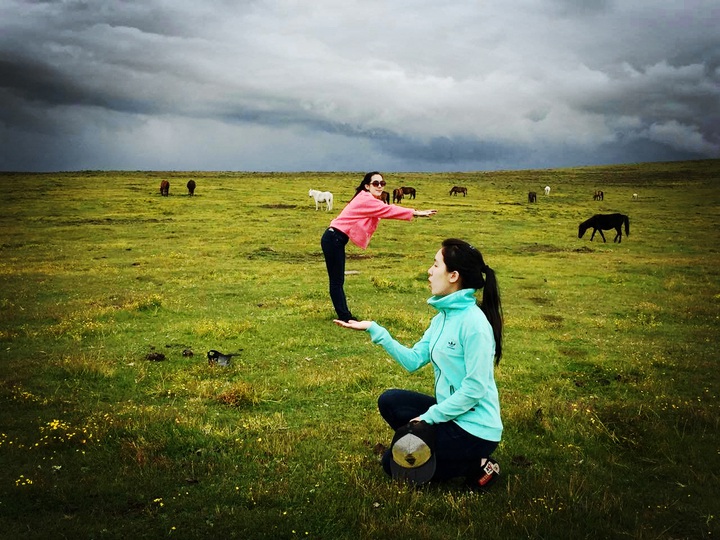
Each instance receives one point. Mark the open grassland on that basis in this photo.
(609, 381)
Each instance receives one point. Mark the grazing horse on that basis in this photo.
(532, 196)
(547, 190)
(409, 191)
(164, 188)
(458, 189)
(599, 196)
(385, 197)
(635, 196)
(397, 195)
(604, 222)
(191, 187)
(321, 197)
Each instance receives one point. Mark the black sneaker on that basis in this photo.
(487, 476)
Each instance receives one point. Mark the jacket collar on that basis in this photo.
(458, 300)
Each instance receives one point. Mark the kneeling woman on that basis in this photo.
(463, 343)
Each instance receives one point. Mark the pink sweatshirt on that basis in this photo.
(361, 216)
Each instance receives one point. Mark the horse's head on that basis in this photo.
(581, 230)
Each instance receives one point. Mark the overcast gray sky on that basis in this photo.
(393, 85)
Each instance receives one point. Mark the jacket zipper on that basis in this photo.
(437, 368)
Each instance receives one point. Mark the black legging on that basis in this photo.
(458, 452)
(333, 244)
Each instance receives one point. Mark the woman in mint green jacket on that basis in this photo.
(463, 344)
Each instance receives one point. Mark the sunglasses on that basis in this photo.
(380, 183)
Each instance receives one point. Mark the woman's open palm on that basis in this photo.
(354, 325)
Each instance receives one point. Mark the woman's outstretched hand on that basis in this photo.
(354, 325)
(424, 213)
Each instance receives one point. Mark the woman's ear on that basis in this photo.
(454, 276)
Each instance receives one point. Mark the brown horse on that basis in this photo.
(409, 191)
(385, 197)
(164, 188)
(532, 196)
(599, 196)
(397, 195)
(458, 189)
(191, 187)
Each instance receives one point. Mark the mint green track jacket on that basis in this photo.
(460, 344)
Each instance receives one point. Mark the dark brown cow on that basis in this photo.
(458, 189)
(532, 196)
(191, 187)
(164, 188)
(409, 191)
(397, 195)
(385, 197)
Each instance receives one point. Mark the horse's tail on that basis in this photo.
(627, 226)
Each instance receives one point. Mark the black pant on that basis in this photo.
(458, 452)
(333, 244)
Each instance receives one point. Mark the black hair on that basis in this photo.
(463, 258)
(365, 181)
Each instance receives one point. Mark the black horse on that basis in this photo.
(604, 222)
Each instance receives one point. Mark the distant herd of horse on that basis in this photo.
(532, 196)
(399, 193)
(598, 223)
(165, 187)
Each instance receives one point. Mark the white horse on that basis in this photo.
(320, 197)
(547, 190)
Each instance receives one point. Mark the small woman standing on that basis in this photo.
(357, 222)
(463, 343)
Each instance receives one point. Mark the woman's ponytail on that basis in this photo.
(492, 308)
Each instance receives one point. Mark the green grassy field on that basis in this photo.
(608, 383)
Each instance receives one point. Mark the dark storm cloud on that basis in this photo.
(282, 85)
(446, 150)
(580, 7)
(34, 83)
